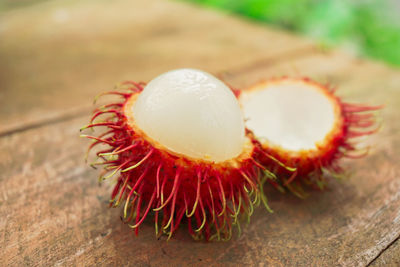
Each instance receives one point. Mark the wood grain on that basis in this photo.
(389, 257)
(52, 210)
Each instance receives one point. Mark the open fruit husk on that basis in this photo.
(304, 125)
(207, 187)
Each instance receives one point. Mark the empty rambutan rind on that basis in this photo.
(304, 125)
(209, 196)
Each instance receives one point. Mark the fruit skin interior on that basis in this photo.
(208, 196)
(290, 114)
(192, 113)
(351, 122)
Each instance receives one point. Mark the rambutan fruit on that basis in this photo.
(178, 149)
(304, 125)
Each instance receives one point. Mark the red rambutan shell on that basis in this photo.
(208, 196)
(307, 167)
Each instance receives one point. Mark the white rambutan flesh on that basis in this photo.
(190, 112)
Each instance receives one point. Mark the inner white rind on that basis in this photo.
(190, 112)
(291, 114)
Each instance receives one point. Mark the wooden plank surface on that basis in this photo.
(52, 211)
(389, 256)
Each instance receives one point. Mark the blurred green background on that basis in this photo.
(363, 27)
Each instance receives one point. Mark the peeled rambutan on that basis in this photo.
(304, 125)
(178, 149)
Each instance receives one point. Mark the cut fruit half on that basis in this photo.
(178, 150)
(305, 126)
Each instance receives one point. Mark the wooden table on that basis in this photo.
(55, 56)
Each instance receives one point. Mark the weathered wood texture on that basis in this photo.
(56, 56)
(390, 256)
